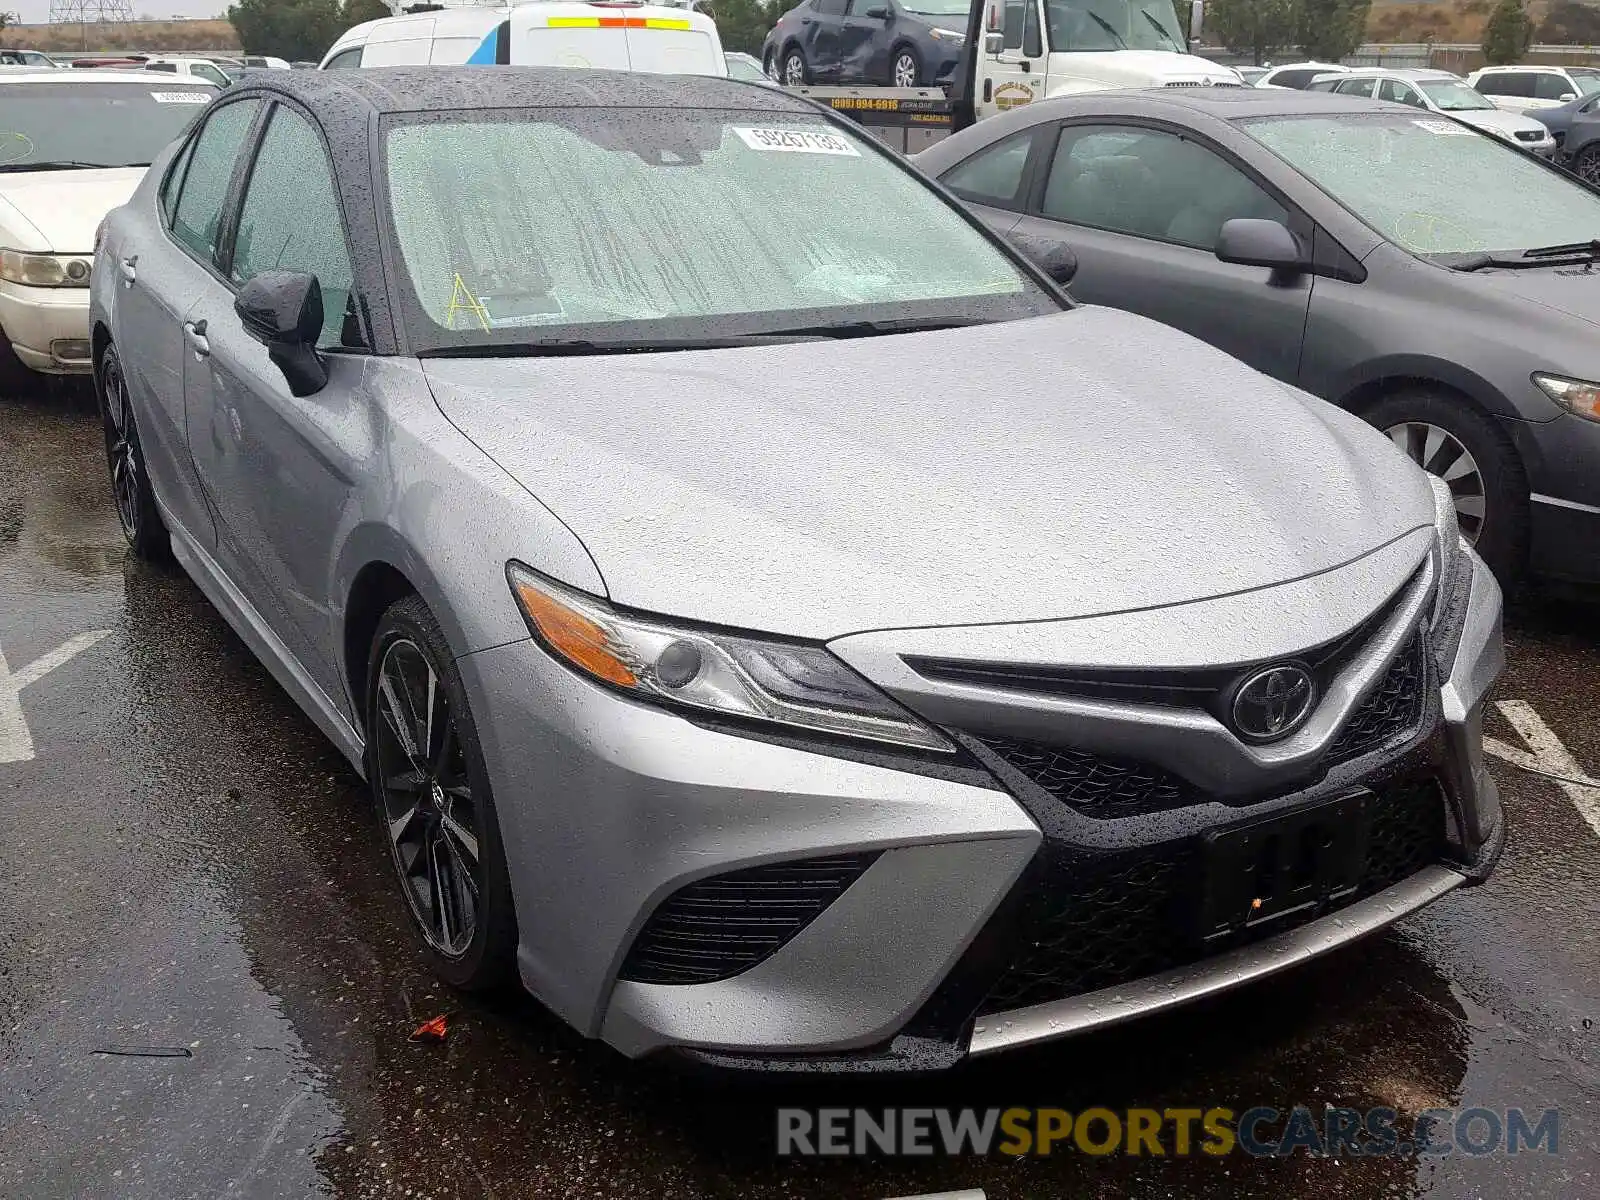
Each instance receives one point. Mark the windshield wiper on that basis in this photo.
(1106, 25)
(849, 329)
(1159, 28)
(64, 164)
(1589, 249)
(572, 347)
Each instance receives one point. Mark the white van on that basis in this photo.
(623, 35)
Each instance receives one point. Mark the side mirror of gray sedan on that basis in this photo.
(283, 311)
(1254, 242)
(1054, 258)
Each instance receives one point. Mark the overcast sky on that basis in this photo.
(37, 12)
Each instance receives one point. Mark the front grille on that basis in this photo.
(1097, 787)
(1111, 788)
(717, 927)
(1392, 711)
(1097, 920)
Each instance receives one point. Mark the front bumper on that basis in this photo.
(48, 328)
(1563, 463)
(614, 813)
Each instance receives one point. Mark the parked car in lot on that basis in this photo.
(1577, 126)
(901, 43)
(1441, 92)
(26, 58)
(1407, 268)
(1527, 89)
(1250, 76)
(1297, 75)
(756, 700)
(74, 146)
(189, 67)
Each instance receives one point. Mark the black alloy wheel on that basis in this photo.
(432, 797)
(130, 479)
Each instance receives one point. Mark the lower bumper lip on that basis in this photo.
(1111, 1006)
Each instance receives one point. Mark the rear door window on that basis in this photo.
(197, 218)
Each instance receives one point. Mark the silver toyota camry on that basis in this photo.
(777, 625)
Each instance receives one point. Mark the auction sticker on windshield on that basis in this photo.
(797, 141)
(180, 97)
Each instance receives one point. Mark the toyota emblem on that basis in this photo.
(1273, 702)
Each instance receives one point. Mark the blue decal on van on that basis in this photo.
(484, 55)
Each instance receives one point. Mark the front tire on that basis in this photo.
(904, 69)
(1586, 164)
(1448, 437)
(795, 71)
(130, 477)
(435, 809)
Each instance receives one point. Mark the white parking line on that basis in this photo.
(1547, 756)
(16, 743)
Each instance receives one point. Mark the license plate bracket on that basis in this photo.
(1263, 872)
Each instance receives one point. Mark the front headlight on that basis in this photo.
(785, 683)
(947, 35)
(44, 270)
(1574, 395)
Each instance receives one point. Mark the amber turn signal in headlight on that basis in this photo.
(787, 683)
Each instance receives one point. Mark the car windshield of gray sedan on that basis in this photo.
(1451, 95)
(62, 126)
(617, 227)
(1433, 186)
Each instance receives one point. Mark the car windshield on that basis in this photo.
(1451, 95)
(619, 227)
(1114, 25)
(1431, 185)
(90, 124)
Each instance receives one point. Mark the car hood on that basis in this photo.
(59, 210)
(956, 24)
(1572, 291)
(1077, 464)
(1494, 120)
(1141, 68)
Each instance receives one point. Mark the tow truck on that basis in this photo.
(1019, 51)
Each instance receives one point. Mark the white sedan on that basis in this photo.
(74, 146)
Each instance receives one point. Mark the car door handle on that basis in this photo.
(195, 333)
(128, 264)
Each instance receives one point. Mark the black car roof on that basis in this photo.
(367, 90)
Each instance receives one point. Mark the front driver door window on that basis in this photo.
(1142, 208)
(1400, 93)
(269, 459)
(1357, 87)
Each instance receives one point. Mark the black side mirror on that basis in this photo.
(1054, 258)
(878, 13)
(1255, 242)
(283, 311)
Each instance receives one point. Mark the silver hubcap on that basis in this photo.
(428, 810)
(905, 71)
(794, 70)
(1438, 452)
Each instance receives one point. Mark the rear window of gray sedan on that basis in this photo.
(1432, 185)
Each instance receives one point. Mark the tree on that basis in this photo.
(1331, 29)
(1570, 23)
(292, 29)
(1254, 27)
(357, 11)
(744, 24)
(1508, 34)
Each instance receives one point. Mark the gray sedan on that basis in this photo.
(1436, 281)
(774, 622)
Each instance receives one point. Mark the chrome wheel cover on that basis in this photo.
(1439, 452)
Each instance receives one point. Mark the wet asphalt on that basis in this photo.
(187, 866)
